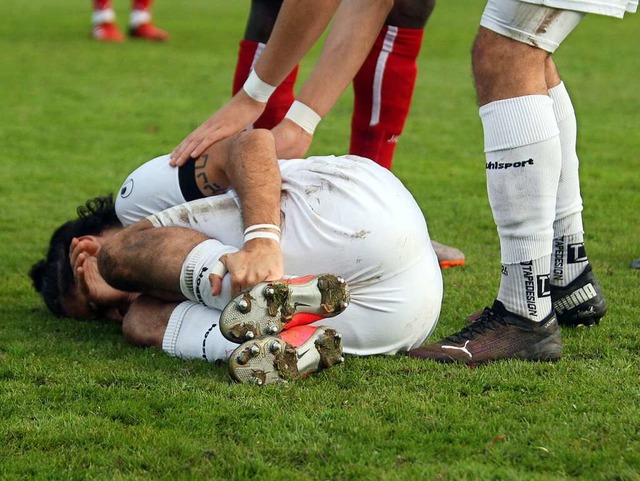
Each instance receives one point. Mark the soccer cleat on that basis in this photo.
(107, 32)
(581, 303)
(148, 31)
(498, 334)
(448, 256)
(269, 307)
(289, 356)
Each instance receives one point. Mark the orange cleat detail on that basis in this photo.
(148, 31)
(107, 32)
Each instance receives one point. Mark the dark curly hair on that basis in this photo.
(52, 277)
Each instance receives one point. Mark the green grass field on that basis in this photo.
(77, 402)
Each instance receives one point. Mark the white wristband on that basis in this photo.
(304, 116)
(262, 235)
(253, 227)
(256, 88)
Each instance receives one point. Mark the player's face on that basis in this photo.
(77, 305)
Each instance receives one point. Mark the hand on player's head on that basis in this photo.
(232, 118)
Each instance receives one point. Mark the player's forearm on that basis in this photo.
(252, 170)
(299, 25)
(355, 28)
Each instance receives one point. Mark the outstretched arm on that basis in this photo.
(354, 30)
(299, 25)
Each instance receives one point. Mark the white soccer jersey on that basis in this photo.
(341, 215)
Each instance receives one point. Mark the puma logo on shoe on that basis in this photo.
(577, 297)
(463, 349)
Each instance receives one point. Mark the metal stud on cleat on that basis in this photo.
(338, 336)
(249, 335)
(340, 280)
(269, 292)
(340, 360)
(344, 305)
(254, 350)
(275, 347)
(243, 305)
(322, 284)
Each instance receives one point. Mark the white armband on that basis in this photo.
(250, 232)
(256, 88)
(253, 227)
(304, 116)
(262, 235)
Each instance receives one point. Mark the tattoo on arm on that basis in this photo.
(207, 187)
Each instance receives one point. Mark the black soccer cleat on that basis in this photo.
(581, 303)
(498, 334)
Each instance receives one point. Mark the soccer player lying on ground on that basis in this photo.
(341, 215)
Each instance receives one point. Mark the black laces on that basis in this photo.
(488, 320)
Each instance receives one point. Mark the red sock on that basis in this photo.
(282, 97)
(383, 89)
(141, 5)
(101, 4)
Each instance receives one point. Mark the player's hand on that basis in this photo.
(232, 118)
(292, 141)
(259, 260)
(84, 262)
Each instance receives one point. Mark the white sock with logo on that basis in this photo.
(568, 258)
(523, 156)
(193, 333)
(196, 268)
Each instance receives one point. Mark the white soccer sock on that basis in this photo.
(568, 257)
(193, 333)
(523, 169)
(524, 291)
(106, 15)
(139, 17)
(194, 276)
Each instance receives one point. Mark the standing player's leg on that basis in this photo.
(103, 22)
(576, 294)
(383, 87)
(523, 166)
(262, 17)
(140, 24)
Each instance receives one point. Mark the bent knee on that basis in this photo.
(145, 322)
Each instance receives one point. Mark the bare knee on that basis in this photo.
(145, 322)
(505, 68)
